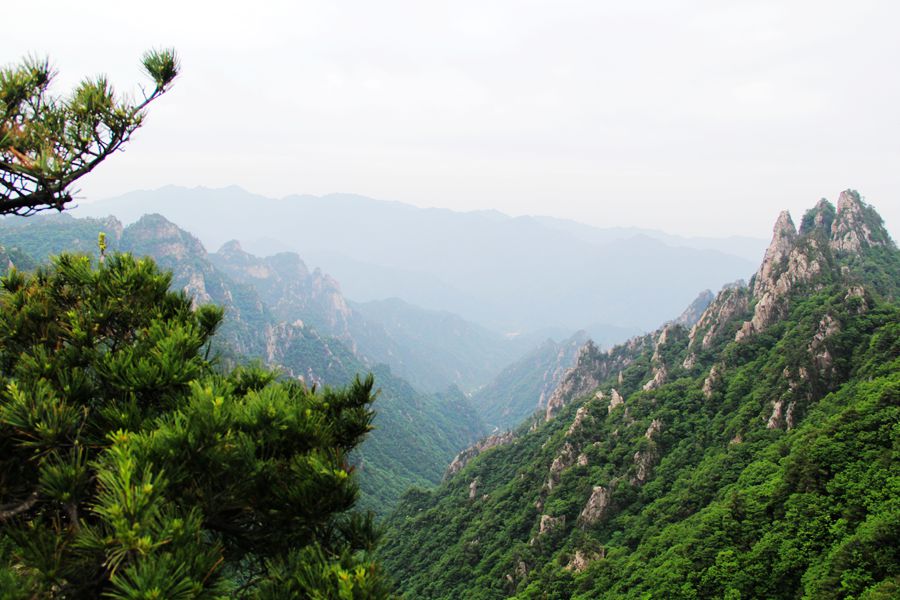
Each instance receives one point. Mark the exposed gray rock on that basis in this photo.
(473, 488)
(564, 460)
(580, 415)
(463, 458)
(660, 375)
(616, 399)
(596, 507)
(732, 301)
(774, 421)
(582, 559)
(695, 310)
(654, 428)
(853, 229)
(818, 349)
(711, 381)
(549, 524)
(592, 367)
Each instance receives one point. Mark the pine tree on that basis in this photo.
(48, 142)
(131, 467)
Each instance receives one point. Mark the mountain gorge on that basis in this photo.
(748, 451)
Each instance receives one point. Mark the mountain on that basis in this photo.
(752, 454)
(508, 274)
(433, 350)
(271, 320)
(524, 386)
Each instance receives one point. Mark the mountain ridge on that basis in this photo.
(697, 462)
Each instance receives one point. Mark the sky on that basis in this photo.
(694, 117)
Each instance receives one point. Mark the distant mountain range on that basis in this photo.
(509, 274)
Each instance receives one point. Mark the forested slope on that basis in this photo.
(753, 455)
(416, 434)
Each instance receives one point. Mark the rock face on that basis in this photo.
(646, 459)
(463, 458)
(818, 348)
(732, 301)
(582, 559)
(793, 260)
(660, 375)
(290, 289)
(580, 415)
(856, 226)
(615, 400)
(709, 384)
(695, 310)
(549, 524)
(565, 459)
(592, 367)
(774, 421)
(596, 507)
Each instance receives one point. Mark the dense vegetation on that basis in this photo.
(774, 477)
(524, 386)
(415, 434)
(130, 468)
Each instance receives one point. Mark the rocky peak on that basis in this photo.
(232, 248)
(783, 236)
(159, 237)
(856, 225)
(731, 301)
(818, 219)
(695, 310)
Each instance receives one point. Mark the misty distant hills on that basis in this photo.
(510, 274)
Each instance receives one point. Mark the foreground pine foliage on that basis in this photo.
(131, 468)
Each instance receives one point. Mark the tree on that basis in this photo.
(47, 143)
(131, 468)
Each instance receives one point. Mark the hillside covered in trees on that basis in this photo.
(752, 455)
(291, 319)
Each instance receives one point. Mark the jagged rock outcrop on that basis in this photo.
(615, 399)
(713, 379)
(290, 289)
(856, 295)
(596, 507)
(463, 458)
(818, 219)
(549, 524)
(783, 236)
(732, 301)
(473, 488)
(644, 460)
(790, 261)
(794, 260)
(659, 377)
(565, 459)
(582, 559)
(695, 310)
(856, 225)
(818, 349)
(580, 415)
(661, 340)
(774, 421)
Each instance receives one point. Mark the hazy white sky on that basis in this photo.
(696, 117)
